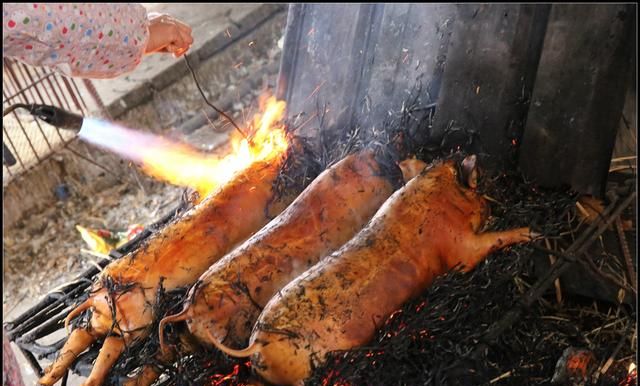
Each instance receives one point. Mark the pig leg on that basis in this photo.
(147, 376)
(109, 353)
(149, 372)
(79, 340)
(479, 246)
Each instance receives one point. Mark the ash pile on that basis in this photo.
(513, 320)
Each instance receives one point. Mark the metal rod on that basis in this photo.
(65, 378)
(11, 97)
(14, 73)
(71, 93)
(57, 303)
(32, 361)
(16, 84)
(44, 158)
(7, 69)
(59, 88)
(18, 333)
(41, 350)
(91, 161)
(33, 149)
(23, 69)
(79, 283)
(85, 109)
(42, 310)
(228, 118)
(8, 170)
(52, 324)
(10, 62)
(96, 97)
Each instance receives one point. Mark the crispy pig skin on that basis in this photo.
(175, 256)
(423, 230)
(226, 302)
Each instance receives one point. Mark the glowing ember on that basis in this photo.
(233, 377)
(632, 376)
(394, 314)
(180, 164)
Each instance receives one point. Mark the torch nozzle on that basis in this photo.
(57, 117)
(54, 116)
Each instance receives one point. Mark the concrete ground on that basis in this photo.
(160, 95)
(214, 26)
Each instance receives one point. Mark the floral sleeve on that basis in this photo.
(100, 40)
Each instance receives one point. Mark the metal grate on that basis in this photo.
(34, 332)
(26, 141)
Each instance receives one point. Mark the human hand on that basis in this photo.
(168, 34)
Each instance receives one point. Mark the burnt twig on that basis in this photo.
(556, 270)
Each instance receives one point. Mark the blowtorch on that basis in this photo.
(52, 115)
(67, 120)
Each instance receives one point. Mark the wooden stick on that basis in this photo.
(583, 210)
(623, 158)
(556, 283)
(605, 367)
(505, 375)
(617, 168)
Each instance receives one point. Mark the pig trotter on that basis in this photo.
(109, 353)
(480, 246)
(79, 340)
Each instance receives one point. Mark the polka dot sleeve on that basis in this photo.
(102, 40)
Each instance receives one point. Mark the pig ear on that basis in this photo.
(469, 168)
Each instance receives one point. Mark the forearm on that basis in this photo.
(89, 40)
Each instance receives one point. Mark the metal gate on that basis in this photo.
(26, 141)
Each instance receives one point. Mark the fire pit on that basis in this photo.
(457, 331)
(560, 309)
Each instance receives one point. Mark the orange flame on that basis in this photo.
(182, 165)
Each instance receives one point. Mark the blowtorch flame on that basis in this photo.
(181, 164)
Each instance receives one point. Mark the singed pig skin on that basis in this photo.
(176, 256)
(423, 230)
(228, 298)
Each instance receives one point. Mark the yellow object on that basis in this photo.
(104, 240)
(94, 240)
